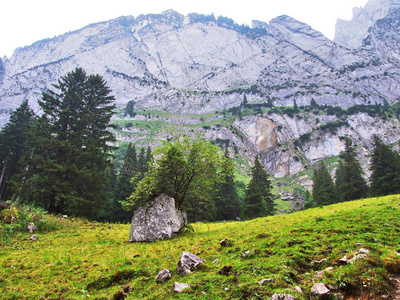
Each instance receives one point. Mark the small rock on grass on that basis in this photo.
(187, 262)
(265, 281)
(319, 261)
(363, 251)
(34, 238)
(299, 290)
(319, 289)
(283, 297)
(179, 287)
(225, 243)
(163, 275)
(31, 228)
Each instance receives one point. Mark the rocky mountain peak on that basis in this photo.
(351, 33)
(285, 27)
(384, 36)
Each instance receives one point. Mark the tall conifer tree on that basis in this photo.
(226, 198)
(258, 198)
(385, 170)
(324, 191)
(339, 179)
(71, 149)
(354, 186)
(14, 142)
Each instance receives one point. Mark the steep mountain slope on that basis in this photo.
(351, 33)
(212, 75)
(197, 64)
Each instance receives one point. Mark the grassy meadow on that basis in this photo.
(80, 259)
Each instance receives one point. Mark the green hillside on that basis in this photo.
(86, 260)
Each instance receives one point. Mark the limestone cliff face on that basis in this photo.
(352, 33)
(198, 64)
(288, 145)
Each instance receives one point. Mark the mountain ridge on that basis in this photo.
(199, 64)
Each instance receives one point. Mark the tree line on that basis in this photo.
(62, 161)
(349, 182)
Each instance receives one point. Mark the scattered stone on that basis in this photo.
(203, 293)
(64, 216)
(319, 261)
(246, 253)
(226, 289)
(157, 220)
(329, 269)
(299, 290)
(226, 270)
(319, 289)
(283, 297)
(187, 262)
(343, 260)
(356, 257)
(215, 261)
(238, 219)
(359, 244)
(179, 287)
(31, 228)
(319, 274)
(265, 281)
(34, 238)
(163, 275)
(364, 251)
(225, 243)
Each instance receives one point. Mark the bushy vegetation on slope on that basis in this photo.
(89, 260)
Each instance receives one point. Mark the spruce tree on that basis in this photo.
(125, 185)
(339, 179)
(227, 203)
(14, 145)
(385, 170)
(324, 191)
(354, 186)
(71, 147)
(258, 198)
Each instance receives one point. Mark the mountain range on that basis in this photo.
(191, 70)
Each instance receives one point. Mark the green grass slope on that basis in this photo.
(85, 260)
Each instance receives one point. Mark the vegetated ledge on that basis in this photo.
(88, 259)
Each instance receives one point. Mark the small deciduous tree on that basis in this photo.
(185, 165)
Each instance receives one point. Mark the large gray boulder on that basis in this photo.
(157, 220)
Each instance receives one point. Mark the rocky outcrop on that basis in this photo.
(351, 33)
(157, 220)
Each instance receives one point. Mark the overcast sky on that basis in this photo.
(23, 22)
